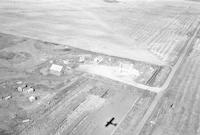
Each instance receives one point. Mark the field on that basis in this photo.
(99, 67)
(102, 27)
(178, 111)
(66, 102)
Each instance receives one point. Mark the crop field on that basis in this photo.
(170, 42)
(99, 67)
(144, 31)
(164, 36)
(178, 111)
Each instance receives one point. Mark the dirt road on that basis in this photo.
(184, 54)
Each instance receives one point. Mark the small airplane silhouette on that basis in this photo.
(111, 122)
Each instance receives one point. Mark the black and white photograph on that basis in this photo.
(99, 67)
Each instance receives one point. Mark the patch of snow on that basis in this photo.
(56, 69)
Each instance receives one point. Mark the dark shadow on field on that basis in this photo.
(4, 132)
